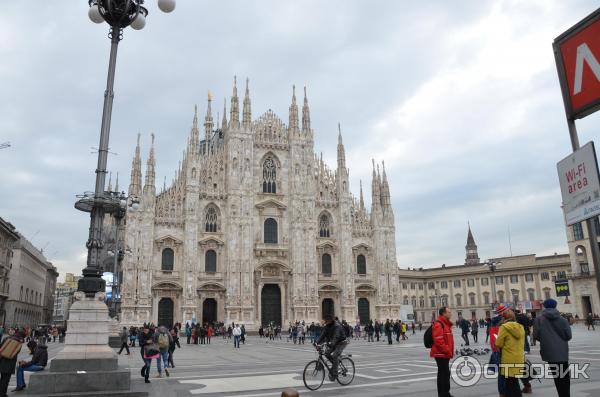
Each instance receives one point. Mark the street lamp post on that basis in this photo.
(492, 265)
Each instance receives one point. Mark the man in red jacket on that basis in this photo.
(443, 350)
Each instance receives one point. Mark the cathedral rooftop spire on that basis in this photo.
(234, 109)
(385, 189)
(224, 121)
(208, 124)
(341, 152)
(293, 124)
(247, 116)
(117, 183)
(135, 183)
(149, 185)
(109, 189)
(362, 200)
(375, 189)
(195, 133)
(305, 114)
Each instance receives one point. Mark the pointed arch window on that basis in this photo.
(270, 231)
(211, 220)
(269, 176)
(324, 226)
(168, 257)
(210, 261)
(326, 264)
(361, 264)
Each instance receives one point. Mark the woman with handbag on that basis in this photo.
(149, 350)
(9, 350)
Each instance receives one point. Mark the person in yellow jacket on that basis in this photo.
(511, 342)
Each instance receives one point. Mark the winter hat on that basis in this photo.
(501, 309)
(550, 304)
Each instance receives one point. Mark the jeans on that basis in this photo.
(443, 377)
(164, 358)
(465, 336)
(21, 372)
(236, 341)
(146, 368)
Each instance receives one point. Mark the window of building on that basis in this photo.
(585, 269)
(420, 285)
(486, 298)
(210, 261)
(361, 264)
(529, 277)
(515, 295)
(405, 300)
(326, 264)
(499, 280)
(404, 285)
(324, 226)
(561, 275)
(168, 258)
(485, 281)
(500, 296)
(458, 300)
(413, 286)
(547, 294)
(421, 301)
(545, 276)
(472, 299)
(270, 176)
(470, 282)
(514, 278)
(577, 231)
(431, 285)
(413, 301)
(211, 219)
(531, 294)
(444, 284)
(432, 301)
(271, 231)
(456, 283)
(444, 300)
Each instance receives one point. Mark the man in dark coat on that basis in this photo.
(7, 366)
(335, 336)
(37, 363)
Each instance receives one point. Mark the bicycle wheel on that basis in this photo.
(314, 375)
(345, 371)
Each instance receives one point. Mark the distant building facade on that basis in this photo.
(63, 298)
(8, 239)
(32, 282)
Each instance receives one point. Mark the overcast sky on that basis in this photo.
(461, 100)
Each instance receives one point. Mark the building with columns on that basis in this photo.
(256, 228)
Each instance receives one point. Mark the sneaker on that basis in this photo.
(167, 372)
(158, 376)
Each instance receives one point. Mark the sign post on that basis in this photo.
(577, 56)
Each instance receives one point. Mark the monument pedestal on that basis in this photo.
(86, 366)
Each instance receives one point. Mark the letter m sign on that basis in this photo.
(577, 54)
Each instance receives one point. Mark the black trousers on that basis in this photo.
(4, 379)
(124, 345)
(443, 377)
(563, 384)
(513, 387)
(474, 336)
(465, 336)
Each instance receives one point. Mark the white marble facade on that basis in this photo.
(255, 228)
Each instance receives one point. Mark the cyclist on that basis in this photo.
(334, 335)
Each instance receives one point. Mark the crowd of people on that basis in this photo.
(509, 332)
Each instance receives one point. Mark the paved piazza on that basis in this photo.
(264, 369)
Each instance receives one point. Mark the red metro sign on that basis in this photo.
(577, 54)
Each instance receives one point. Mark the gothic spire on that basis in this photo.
(472, 257)
(195, 133)
(224, 121)
(135, 183)
(208, 125)
(150, 175)
(362, 200)
(375, 190)
(385, 189)
(109, 189)
(117, 183)
(247, 116)
(234, 115)
(293, 124)
(305, 114)
(341, 153)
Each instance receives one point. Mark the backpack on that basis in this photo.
(428, 336)
(163, 341)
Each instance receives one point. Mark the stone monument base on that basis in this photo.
(86, 366)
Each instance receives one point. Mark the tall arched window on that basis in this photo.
(210, 261)
(270, 231)
(269, 176)
(326, 264)
(361, 264)
(168, 257)
(500, 295)
(324, 226)
(211, 220)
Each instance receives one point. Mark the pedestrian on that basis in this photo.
(164, 342)
(243, 334)
(388, 331)
(124, 336)
(511, 342)
(474, 330)
(554, 333)
(524, 321)
(237, 333)
(465, 327)
(209, 333)
(403, 330)
(488, 324)
(37, 363)
(495, 356)
(377, 330)
(148, 351)
(8, 364)
(442, 350)
(188, 332)
(172, 346)
(132, 336)
(590, 322)
(413, 327)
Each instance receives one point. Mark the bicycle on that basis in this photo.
(314, 372)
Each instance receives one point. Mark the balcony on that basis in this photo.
(271, 250)
(159, 275)
(578, 275)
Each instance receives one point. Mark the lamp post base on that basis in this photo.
(86, 365)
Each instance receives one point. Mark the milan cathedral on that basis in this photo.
(255, 228)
